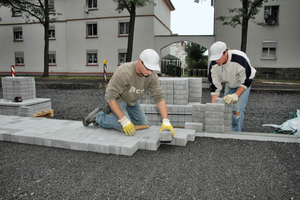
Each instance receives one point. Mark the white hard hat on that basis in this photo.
(150, 59)
(217, 50)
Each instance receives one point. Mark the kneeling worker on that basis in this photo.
(130, 82)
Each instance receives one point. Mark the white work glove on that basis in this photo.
(230, 98)
(166, 125)
(127, 125)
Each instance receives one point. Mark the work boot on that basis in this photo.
(106, 110)
(92, 116)
(95, 124)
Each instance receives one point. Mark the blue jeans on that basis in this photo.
(239, 106)
(134, 113)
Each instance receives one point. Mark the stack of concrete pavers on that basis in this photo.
(195, 90)
(183, 98)
(23, 87)
(178, 114)
(167, 86)
(18, 87)
(177, 91)
(211, 117)
(180, 94)
(214, 118)
(73, 135)
(181, 91)
(227, 114)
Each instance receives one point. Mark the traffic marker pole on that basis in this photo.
(104, 70)
(13, 73)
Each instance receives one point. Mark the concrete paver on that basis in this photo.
(73, 135)
(252, 136)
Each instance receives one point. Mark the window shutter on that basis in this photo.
(91, 51)
(123, 51)
(17, 29)
(270, 44)
(19, 54)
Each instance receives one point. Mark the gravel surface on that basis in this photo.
(207, 168)
(73, 102)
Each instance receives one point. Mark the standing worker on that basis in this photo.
(130, 82)
(234, 68)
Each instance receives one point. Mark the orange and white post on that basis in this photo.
(104, 70)
(13, 72)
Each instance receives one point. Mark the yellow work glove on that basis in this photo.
(167, 126)
(230, 98)
(127, 125)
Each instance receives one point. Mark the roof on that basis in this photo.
(170, 57)
(170, 5)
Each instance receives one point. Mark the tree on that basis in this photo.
(195, 56)
(247, 12)
(131, 6)
(40, 10)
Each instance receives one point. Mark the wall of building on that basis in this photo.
(286, 33)
(71, 43)
(163, 18)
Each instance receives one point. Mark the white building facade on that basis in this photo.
(272, 48)
(80, 41)
(177, 49)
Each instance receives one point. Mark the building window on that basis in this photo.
(18, 35)
(123, 28)
(16, 12)
(19, 58)
(52, 58)
(269, 50)
(122, 56)
(51, 32)
(92, 4)
(51, 4)
(271, 15)
(92, 57)
(91, 30)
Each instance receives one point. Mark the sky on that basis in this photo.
(190, 18)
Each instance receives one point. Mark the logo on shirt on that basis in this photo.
(137, 91)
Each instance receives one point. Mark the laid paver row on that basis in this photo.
(73, 135)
